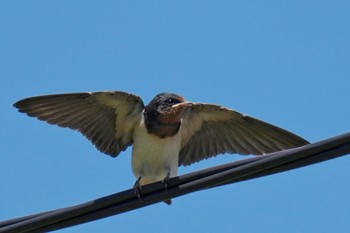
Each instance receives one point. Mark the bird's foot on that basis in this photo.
(138, 188)
(166, 182)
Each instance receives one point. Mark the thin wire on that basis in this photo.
(208, 178)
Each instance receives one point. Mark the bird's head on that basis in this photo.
(164, 102)
(160, 114)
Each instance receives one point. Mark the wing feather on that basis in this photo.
(107, 119)
(208, 130)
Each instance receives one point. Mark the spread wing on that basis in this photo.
(107, 119)
(209, 130)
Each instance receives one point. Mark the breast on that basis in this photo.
(163, 121)
(153, 157)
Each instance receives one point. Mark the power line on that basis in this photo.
(208, 178)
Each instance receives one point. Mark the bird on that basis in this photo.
(164, 134)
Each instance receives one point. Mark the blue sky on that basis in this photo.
(285, 62)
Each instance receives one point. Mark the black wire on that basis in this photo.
(208, 178)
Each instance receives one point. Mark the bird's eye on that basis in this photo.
(170, 100)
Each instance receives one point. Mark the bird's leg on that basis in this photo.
(138, 188)
(166, 181)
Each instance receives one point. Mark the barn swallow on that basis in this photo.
(166, 133)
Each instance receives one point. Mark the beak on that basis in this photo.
(182, 105)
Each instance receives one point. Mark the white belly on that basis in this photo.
(153, 158)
